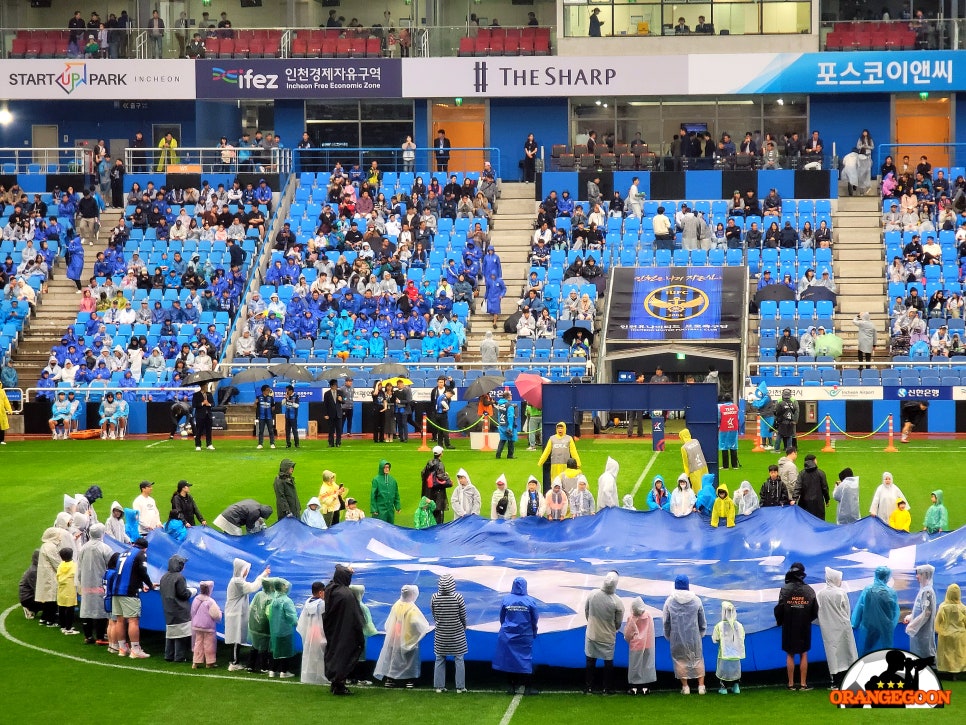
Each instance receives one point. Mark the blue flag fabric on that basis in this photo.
(564, 561)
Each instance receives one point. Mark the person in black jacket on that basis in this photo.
(202, 402)
(183, 502)
(813, 488)
(797, 608)
(332, 412)
(343, 626)
(248, 513)
(773, 491)
(175, 598)
(435, 482)
(442, 148)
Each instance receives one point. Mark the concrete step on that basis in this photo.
(516, 190)
(868, 203)
(858, 254)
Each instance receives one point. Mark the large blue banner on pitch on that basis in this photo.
(676, 303)
(564, 561)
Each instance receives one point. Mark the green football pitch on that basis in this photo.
(49, 675)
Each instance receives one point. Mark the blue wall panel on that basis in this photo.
(941, 416)
(881, 409)
(703, 185)
(834, 408)
(97, 119)
(216, 119)
(781, 179)
(512, 119)
(561, 181)
(841, 119)
(290, 121)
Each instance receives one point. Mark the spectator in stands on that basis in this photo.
(772, 204)
(813, 151)
(752, 205)
(892, 219)
(787, 344)
(788, 237)
(913, 269)
(770, 158)
(939, 342)
(772, 237)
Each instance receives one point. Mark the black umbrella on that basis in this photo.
(251, 375)
(775, 292)
(467, 417)
(391, 370)
(483, 385)
(205, 376)
(340, 371)
(290, 371)
(510, 325)
(817, 293)
(571, 334)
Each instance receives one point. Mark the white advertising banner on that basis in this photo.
(835, 392)
(543, 76)
(97, 79)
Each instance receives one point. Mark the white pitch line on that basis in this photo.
(6, 634)
(511, 708)
(156, 443)
(644, 473)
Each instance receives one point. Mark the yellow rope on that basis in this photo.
(461, 430)
(868, 435)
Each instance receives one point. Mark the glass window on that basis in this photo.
(387, 110)
(332, 111)
(734, 17)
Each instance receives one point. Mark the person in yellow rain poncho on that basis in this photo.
(951, 628)
(399, 663)
(692, 459)
(167, 152)
(560, 448)
(724, 508)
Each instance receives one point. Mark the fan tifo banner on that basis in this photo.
(564, 561)
(676, 303)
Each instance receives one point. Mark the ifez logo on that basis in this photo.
(245, 78)
(479, 76)
(676, 302)
(891, 678)
(73, 77)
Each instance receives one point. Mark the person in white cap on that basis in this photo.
(502, 503)
(466, 498)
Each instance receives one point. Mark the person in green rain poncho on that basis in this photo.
(282, 619)
(384, 503)
(937, 517)
(423, 517)
(258, 628)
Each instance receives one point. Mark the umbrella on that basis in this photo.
(530, 387)
(818, 293)
(510, 325)
(251, 375)
(205, 376)
(289, 371)
(483, 385)
(570, 335)
(775, 292)
(828, 345)
(340, 371)
(391, 370)
(467, 417)
(396, 382)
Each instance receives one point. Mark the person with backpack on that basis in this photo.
(786, 420)
(503, 504)
(435, 481)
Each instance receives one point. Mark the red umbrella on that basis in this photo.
(530, 387)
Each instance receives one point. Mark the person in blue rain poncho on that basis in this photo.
(876, 614)
(377, 346)
(921, 622)
(312, 516)
(495, 291)
(506, 419)
(75, 261)
(429, 347)
(658, 497)
(707, 494)
(518, 630)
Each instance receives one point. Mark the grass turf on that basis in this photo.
(37, 473)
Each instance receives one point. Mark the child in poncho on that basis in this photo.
(205, 614)
(423, 518)
(937, 518)
(900, 519)
(66, 590)
(313, 638)
(639, 635)
(730, 638)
